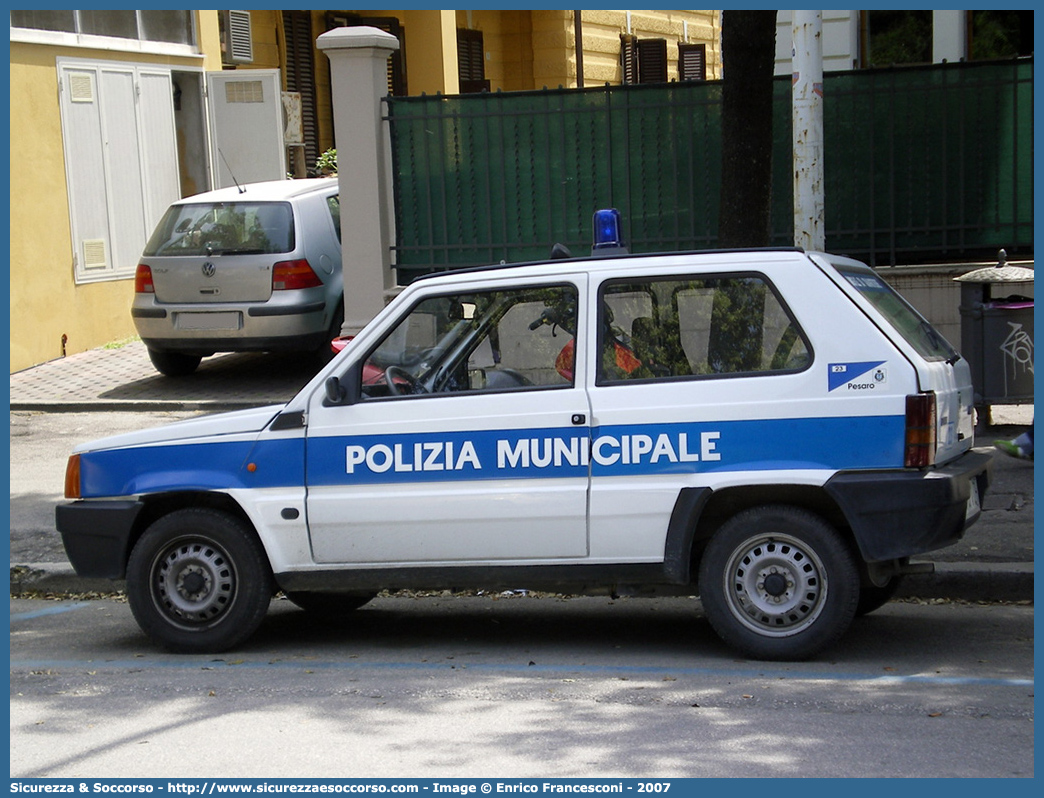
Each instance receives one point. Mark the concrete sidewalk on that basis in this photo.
(993, 562)
(123, 378)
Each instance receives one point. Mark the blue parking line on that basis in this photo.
(58, 609)
(593, 670)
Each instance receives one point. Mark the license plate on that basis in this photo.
(973, 507)
(221, 320)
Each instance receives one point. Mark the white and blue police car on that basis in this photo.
(774, 430)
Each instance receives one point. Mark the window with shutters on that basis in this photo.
(652, 60)
(121, 161)
(471, 61)
(628, 59)
(300, 75)
(692, 61)
(643, 60)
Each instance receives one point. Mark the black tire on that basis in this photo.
(329, 604)
(872, 597)
(324, 354)
(778, 583)
(174, 364)
(198, 581)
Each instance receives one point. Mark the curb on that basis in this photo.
(960, 581)
(140, 406)
(972, 582)
(57, 579)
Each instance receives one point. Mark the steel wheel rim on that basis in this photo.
(193, 582)
(775, 585)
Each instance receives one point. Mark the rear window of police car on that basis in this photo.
(911, 325)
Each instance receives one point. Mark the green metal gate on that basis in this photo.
(921, 164)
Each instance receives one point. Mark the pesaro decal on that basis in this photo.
(867, 375)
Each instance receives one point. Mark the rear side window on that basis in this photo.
(231, 228)
(333, 204)
(677, 327)
(911, 325)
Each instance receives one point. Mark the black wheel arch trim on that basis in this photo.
(681, 534)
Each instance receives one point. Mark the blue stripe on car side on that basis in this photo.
(874, 442)
(193, 466)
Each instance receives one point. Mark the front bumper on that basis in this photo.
(97, 535)
(897, 514)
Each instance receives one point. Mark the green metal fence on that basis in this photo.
(921, 164)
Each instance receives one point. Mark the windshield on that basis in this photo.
(911, 325)
(232, 228)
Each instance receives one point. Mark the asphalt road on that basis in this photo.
(515, 687)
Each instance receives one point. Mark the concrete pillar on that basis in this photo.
(359, 79)
(949, 35)
(807, 98)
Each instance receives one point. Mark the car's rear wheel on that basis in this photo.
(198, 580)
(174, 364)
(777, 582)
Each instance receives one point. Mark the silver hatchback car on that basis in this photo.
(248, 269)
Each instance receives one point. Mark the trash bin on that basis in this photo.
(997, 332)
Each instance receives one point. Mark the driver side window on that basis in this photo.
(507, 339)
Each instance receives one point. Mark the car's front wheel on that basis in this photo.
(198, 580)
(174, 364)
(777, 582)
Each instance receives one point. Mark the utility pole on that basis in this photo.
(807, 94)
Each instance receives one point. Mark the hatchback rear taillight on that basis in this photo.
(290, 274)
(920, 431)
(143, 280)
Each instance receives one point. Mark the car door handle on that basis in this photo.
(578, 419)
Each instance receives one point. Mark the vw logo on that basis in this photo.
(208, 269)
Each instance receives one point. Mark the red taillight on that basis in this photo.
(290, 274)
(920, 431)
(143, 280)
(72, 477)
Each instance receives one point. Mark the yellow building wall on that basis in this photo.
(524, 50)
(528, 50)
(508, 43)
(45, 302)
(431, 66)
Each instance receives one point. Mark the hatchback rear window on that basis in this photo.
(911, 325)
(230, 228)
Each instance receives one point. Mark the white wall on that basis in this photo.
(841, 39)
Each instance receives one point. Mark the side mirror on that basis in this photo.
(343, 390)
(335, 392)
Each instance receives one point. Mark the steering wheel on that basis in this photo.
(393, 373)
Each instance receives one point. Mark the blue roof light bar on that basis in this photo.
(607, 232)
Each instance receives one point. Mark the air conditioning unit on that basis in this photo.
(237, 47)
